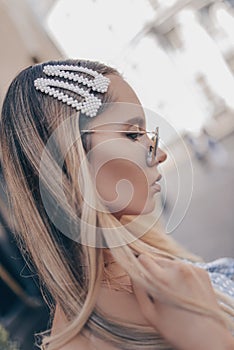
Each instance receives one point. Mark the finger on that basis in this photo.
(146, 303)
(152, 263)
(141, 294)
(155, 272)
(144, 298)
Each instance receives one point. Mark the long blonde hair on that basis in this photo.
(70, 272)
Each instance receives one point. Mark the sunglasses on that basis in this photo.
(152, 152)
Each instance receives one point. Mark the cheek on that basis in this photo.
(120, 175)
(122, 184)
(121, 178)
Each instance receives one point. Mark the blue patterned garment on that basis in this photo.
(221, 273)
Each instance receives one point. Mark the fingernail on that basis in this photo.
(144, 259)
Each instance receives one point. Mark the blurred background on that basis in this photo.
(178, 55)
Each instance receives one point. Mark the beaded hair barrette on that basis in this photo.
(90, 103)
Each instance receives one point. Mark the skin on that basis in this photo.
(183, 330)
(122, 175)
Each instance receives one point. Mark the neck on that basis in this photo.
(114, 276)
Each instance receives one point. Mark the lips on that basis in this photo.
(158, 178)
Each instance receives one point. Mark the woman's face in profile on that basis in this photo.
(124, 179)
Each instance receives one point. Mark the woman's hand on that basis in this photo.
(183, 329)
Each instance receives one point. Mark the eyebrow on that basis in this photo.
(135, 120)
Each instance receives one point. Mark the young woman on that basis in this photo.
(82, 174)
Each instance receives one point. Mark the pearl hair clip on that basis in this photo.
(91, 103)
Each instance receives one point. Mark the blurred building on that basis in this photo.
(24, 40)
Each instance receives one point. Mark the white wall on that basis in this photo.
(21, 37)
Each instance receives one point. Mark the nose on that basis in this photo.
(161, 156)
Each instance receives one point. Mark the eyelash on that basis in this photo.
(134, 135)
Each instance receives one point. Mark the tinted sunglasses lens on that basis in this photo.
(155, 139)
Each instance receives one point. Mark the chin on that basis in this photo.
(140, 210)
(148, 209)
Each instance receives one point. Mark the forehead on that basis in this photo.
(127, 107)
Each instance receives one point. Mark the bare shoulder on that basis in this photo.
(59, 322)
(80, 342)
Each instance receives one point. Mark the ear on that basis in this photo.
(88, 142)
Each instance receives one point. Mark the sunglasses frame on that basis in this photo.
(155, 138)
